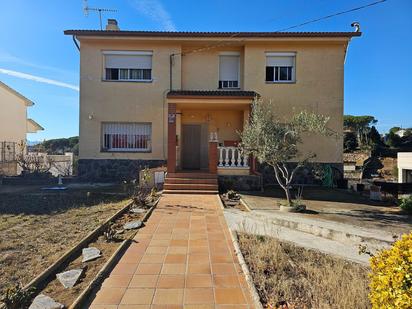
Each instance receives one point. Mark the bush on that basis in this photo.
(391, 277)
(406, 204)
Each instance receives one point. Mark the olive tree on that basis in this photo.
(275, 142)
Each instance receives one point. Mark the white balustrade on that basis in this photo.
(232, 157)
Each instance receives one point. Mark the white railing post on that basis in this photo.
(233, 156)
(226, 156)
(220, 156)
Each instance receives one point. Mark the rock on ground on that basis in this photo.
(137, 210)
(45, 302)
(69, 278)
(133, 225)
(90, 254)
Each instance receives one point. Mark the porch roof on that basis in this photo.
(213, 94)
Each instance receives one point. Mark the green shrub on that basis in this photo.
(391, 277)
(406, 204)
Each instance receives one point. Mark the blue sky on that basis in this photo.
(40, 62)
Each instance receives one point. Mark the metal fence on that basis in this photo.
(8, 152)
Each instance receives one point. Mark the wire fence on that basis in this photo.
(8, 152)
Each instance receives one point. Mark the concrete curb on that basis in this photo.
(79, 301)
(245, 204)
(242, 262)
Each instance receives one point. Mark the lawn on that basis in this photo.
(284, 273)
(37, 227)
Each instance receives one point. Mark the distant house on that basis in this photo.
(14, 124)
(404, 167)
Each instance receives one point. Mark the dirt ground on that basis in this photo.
(340, 206)
(287, 274)
(37, 226)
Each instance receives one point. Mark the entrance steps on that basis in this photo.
(190, 183)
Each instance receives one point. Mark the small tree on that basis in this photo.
(275, 143)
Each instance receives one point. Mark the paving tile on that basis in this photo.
(156, 250)
(143, 281)
(198, 269)
(138, 297)
(225, 281)
(168, 297)
(124, 269)
(148, 269)
(223, 269)
(117, 281)
(175, 259)
(171, 281)
(229, 296)
(182, 259)
(152, 258)
(109, 296)
(173, 269)
(199, 296)
(199, 281)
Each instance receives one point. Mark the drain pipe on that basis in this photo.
(171, 71)
(75, 42)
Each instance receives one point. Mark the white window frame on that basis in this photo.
(125, 149)
(234, 54)
(281, 54)
(127, 53)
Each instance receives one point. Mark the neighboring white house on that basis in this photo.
(404, 167)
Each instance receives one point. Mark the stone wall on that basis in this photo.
(240, 182)
(106, 170)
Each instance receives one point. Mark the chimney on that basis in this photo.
(112, 25)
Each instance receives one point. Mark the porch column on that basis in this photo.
(213, 158)
(171, 138)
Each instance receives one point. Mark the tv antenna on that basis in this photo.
(87, 9)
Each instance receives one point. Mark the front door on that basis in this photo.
(191, 136)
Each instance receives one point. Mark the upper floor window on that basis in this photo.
(124, 136)
(229, 63)
(128, 65)
(280, 67)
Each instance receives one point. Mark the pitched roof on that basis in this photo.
(192, 34)
(18, 94)
(33, 126)
(213, 93)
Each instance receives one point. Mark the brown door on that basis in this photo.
(191, 146)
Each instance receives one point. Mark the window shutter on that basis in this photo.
(128, 61)
(228, 68)
(280, 61)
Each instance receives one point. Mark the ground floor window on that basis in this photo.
(120, 136)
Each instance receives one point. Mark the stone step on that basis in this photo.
(190, 192)
(190, 186)
(212, 181)
(192, 175)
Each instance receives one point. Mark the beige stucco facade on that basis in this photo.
(14, 123)
(318, 87)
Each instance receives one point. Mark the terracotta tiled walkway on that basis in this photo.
(182, 258)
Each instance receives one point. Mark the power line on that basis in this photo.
(332, 15)
(284, 29)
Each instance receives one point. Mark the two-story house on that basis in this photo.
(149, 98)
(14, 126)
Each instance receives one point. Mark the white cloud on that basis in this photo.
(154, 10)
(8, 58)
(38, 79)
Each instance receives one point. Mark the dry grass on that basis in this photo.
(37, 228)
(303, 278)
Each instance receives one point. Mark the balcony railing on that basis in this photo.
(231, 157)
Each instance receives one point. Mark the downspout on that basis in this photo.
(75, 42)
(171, 71)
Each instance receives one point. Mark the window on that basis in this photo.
(229, 70)
(280, 67)
(118, 136)
(130, 66)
